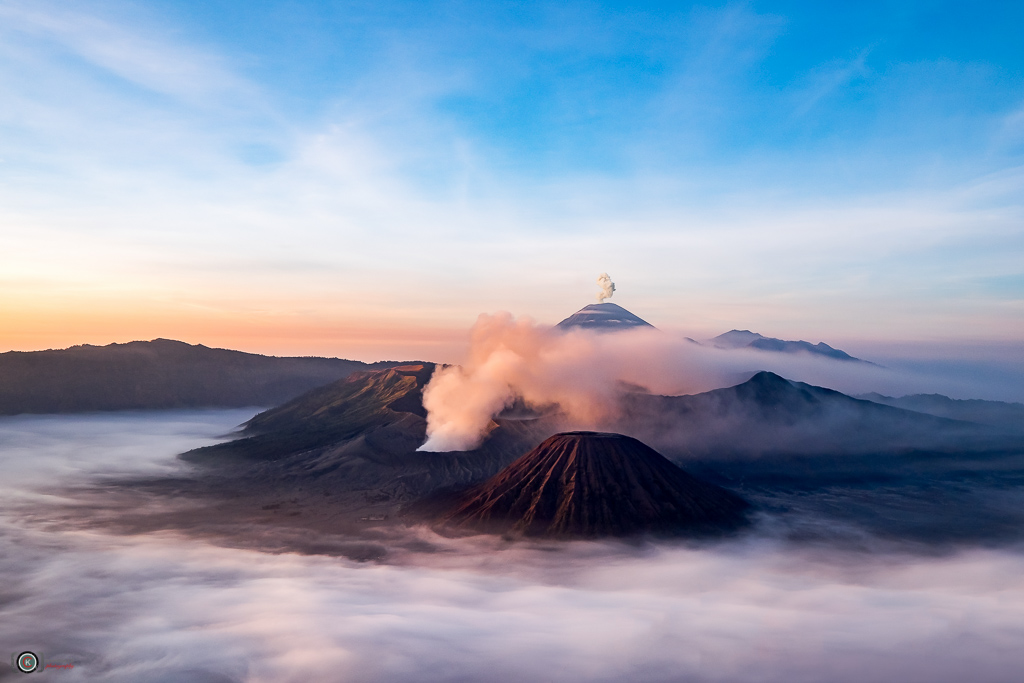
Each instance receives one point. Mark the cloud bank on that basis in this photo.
(164, 608)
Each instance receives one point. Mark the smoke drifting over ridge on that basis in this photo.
(510, 358)
(580, 374)
(575, 372)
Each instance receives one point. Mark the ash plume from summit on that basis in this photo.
(607, 287)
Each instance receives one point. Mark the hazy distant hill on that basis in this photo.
(745, 339)
(157, 374)
(996, 413)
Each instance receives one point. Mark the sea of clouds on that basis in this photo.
(166, 607)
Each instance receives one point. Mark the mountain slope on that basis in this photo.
(157, 374)
(361, 434)
(361, 404)
(594, 484)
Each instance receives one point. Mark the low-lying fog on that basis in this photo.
(166, 607)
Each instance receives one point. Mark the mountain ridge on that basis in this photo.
(158, 374)
(770, 414)
(994, 413)
(741, 339)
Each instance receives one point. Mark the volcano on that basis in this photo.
(590, 484)
(603, 317)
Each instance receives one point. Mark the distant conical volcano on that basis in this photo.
(603, 317)
(589, 484)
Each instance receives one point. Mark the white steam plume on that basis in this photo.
(607, 287)
(508, 357)
(579, 371)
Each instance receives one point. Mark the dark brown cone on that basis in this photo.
(589, 484)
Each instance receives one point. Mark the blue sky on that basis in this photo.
(370, 174)
(550, 89)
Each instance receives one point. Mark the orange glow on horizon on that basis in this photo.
(278, 333)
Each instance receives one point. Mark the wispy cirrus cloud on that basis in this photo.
(139, 55)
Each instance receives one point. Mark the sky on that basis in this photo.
(363, 179)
